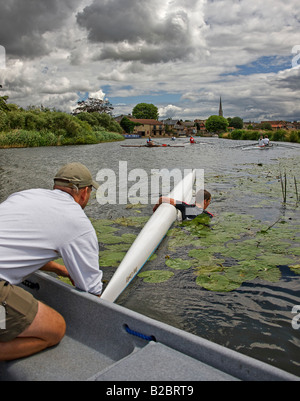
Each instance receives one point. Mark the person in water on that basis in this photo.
(189, 211)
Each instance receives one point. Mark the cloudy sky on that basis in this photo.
(179, 55)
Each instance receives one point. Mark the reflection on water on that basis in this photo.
(256, 318)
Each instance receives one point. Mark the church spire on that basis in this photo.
(220, 108)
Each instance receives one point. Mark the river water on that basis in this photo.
(255, 319)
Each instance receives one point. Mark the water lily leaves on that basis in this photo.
(179, 264)
(109, 239)
(236, 249)
(206, 269)
(217, 282)
(178, 239)
(104, 230)
(244, 271)
(123, 247)
(224, 252)
(272, 274)
(132, 221)
(156, 276)
(110, 259)
(128, 238)
(240, 250)
(295, 251)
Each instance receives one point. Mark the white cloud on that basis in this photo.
(192, 48)
(170, 111)
(97, 95)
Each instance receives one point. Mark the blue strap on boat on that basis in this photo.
(140, 335)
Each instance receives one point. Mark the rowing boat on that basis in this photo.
(259, 147)
(107, 342)
(148, 239)
(153, 146)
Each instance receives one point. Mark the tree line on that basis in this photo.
(40, 126)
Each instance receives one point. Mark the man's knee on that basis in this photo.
(47, 325)
(59, 330)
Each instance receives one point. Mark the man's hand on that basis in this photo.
(164, 199)
(58, 269)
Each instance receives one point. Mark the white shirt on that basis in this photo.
(266, 141)
(38, 226)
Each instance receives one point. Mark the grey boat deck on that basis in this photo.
(97, 347)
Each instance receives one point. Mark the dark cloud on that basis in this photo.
(151, 36)
(289, 80)
(23, 22)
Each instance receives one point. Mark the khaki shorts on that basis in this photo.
(18, 309)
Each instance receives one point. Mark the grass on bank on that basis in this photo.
(22, 138)
(280, 135)
(43, 127)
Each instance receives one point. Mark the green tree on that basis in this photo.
(145, 110)
(3, 101)
(265, 126)
(128, 125)
(237, 122)
(216, 124)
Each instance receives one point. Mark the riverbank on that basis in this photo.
(278, 135)
(38, 126)
(26, 139)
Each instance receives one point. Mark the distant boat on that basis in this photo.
(131, 136)
(153, 146)
(259, 147)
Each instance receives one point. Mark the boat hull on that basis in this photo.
(99, 347)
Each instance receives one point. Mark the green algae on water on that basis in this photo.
(156, 276)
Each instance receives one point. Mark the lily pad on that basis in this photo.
(240, 251)
(110, 239)
(110, 258)
(244, 271)
(273, 274)
(128, 238)
(156, 276)
(132, 221)
(179, 264)
(207, 269)
(217, 282)
(123, 247)
(274, 259)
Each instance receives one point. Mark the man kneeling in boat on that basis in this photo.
(189, 211)
(37, 227)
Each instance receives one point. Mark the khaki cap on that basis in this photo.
(75, 174)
